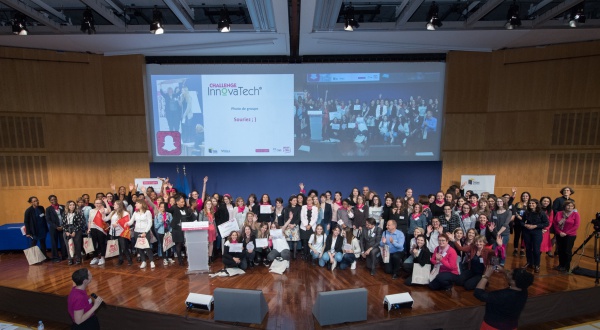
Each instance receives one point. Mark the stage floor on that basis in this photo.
(290, 296)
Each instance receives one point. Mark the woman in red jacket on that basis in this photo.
(565, 224)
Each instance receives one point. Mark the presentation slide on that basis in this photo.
(300, 112)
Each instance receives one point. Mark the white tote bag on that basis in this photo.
(421, 274)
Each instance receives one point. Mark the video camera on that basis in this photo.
(596, 223)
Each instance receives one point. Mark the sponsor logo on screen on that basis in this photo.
(473, 182)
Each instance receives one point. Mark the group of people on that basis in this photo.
(459, 230)
(376, 121)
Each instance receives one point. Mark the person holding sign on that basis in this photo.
(249, 241)
(281, 248)
(234, 255)
(267, 211)
(120, 222)
(263, 244)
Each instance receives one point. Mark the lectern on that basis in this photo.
(196, 241)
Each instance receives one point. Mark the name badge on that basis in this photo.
(402, 217)
(480, 260)
(42, 215)
(372, 234)
(182, 212)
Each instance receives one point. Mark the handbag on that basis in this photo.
(142, 243)
(434, 272)
(112, 248)
(385, 253)
(167, 242)
(421, 274)
(88, 245)
(34, 255)
(71, 245)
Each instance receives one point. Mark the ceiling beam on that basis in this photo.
(32, 13)
(261, 13)
(408, 12)
(550, 14)
(326, 15)
(533, 8)
(483, 10)
(118, 9)
(181, 14)
(51, 10)
(105, 12)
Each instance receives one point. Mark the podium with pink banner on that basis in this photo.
(196, 241)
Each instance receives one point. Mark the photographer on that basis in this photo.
(503, 307)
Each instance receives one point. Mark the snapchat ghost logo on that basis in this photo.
(168, 143)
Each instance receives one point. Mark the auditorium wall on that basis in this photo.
(529, 116)
(69, 123)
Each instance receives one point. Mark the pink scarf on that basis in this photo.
(241, 209)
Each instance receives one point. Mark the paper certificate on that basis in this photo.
(347, 247)
(262, 242)
(276, 233)
(265, 209)
(226, 228)
(236, 247)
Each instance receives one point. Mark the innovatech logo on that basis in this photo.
(231, 89)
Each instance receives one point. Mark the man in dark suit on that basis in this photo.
(370, 244)
(54, 217)
(35, 224)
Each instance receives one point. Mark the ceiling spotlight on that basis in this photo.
(433, 20)
(19, 26)
(512, 17)
(577, 17)
(224, 21)
(349, 22)
(87, 23)
(156, 25)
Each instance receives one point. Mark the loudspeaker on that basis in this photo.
(199, 301)
(333, 307)
(396, 301)
(244, 306)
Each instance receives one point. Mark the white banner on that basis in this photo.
(479, 183)
(148, 182)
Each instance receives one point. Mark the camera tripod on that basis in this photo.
(596, 236)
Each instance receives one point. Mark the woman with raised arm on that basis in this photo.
(208, 215)
(281, 248)
(477, 258)
(292, 230)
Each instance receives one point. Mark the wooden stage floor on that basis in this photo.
(290, 296)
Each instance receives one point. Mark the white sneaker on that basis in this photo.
(171, 261)
(143, 265)
(94, 261)
(152, 265)
(353, 266)
(334, 264)
(165, 262)
(101, 262)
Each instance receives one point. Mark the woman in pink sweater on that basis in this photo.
(565, 224)
(445, 257)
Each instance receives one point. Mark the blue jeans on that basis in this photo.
(315, 255)
(347, 260)
(325, 258)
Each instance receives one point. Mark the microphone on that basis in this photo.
(95, 296)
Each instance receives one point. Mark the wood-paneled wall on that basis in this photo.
(93, 125)
(528, 116)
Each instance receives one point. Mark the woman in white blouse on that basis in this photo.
(143, 225)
